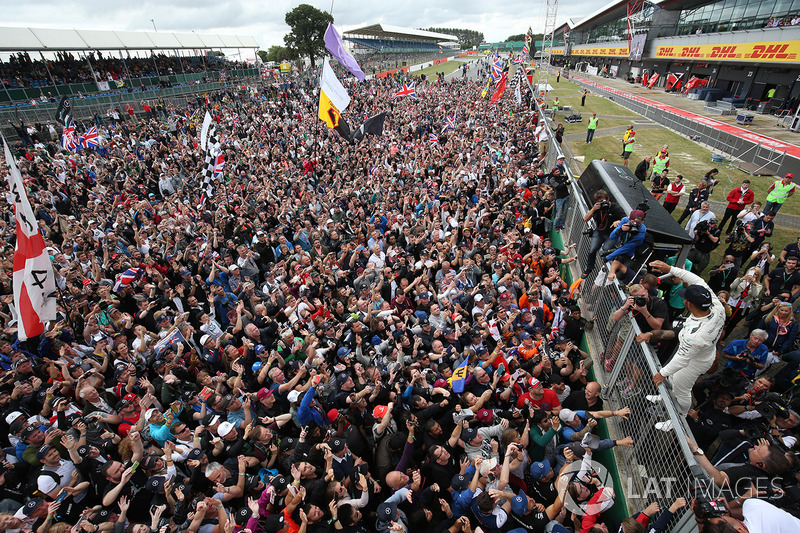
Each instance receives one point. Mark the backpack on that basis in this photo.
(32, 486)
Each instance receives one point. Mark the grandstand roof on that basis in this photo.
(610, 11)
(41, 39)
(397, 32)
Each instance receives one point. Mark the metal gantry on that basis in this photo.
(547, 51)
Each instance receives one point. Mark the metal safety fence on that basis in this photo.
(660, 466)
(761, 157)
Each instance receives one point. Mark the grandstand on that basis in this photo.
(87, 61)
(388, 39)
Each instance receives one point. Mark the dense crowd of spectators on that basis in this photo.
(21, 70)
(280, 359)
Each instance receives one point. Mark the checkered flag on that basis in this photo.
(207, 187)
(516, 84)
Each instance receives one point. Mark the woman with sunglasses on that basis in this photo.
(781, 328)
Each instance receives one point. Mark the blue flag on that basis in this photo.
(459, 378)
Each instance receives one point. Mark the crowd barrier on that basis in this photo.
(660, 466)
(760, 155)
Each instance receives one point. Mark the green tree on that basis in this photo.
(308, 26)
(276, 53)
(466, 38)
(518, 37)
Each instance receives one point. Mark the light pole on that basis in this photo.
(154, 25)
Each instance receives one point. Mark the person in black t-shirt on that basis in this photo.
(784, 279)
(790, 250)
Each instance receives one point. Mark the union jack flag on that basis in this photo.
(68, 139)
(219, 162)
(434, 139)
(408, 89)
(127, 277)
(497, 68)
(449, 122)
(89, 139)
(519, 59)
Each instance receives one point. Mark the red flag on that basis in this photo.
(34, 282)
(501, 87)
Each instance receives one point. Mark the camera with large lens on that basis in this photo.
(705, 507)
(588, 231)
(640, 301)
(702, 227)
(567, 301)
(605, 204)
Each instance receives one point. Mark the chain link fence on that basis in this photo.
(659, 467)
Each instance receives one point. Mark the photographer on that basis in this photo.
(706, 239)
(754, 516)
(629, 235)
(704, 213)
(606, 215)
(649, 313)
(697, 196)
(764, 460)
(739, 242)
(747, 356)
(762, 228)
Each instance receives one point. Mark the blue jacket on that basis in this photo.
(775, 342)
(630, 242)
(307, 415)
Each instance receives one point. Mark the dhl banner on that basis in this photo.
(615, 51)
(772, 51)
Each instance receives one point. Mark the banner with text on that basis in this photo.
(771, 52)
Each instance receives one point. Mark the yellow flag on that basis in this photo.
(327, 111)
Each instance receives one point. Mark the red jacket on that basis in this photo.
(736, 194)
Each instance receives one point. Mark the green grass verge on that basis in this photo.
(447, 68)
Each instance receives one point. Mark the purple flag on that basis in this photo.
(334, 44)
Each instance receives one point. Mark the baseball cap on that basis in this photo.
(636, 213)
(333, 414)
(540, 469)
(468, 434)
(204, 339)
(460, 482)
(697, 295)
(577, 449)
(337, 445)
(387, 511)
(31, 506)
(263, 392)
(293, 396)
(484, 415)
(242, 516)
(273, 523)
(210, 419)
(224, 429)
(566, 415)
(534, 383)
(155, 484)
(380, 411)
(195, 454)
(524, 335)
(280, 483)
(789, 175)
(13, 416)
(41, 452)
(519, 503)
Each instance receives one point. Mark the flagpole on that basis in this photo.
(48, 72)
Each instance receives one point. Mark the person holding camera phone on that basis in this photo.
(606, 215)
